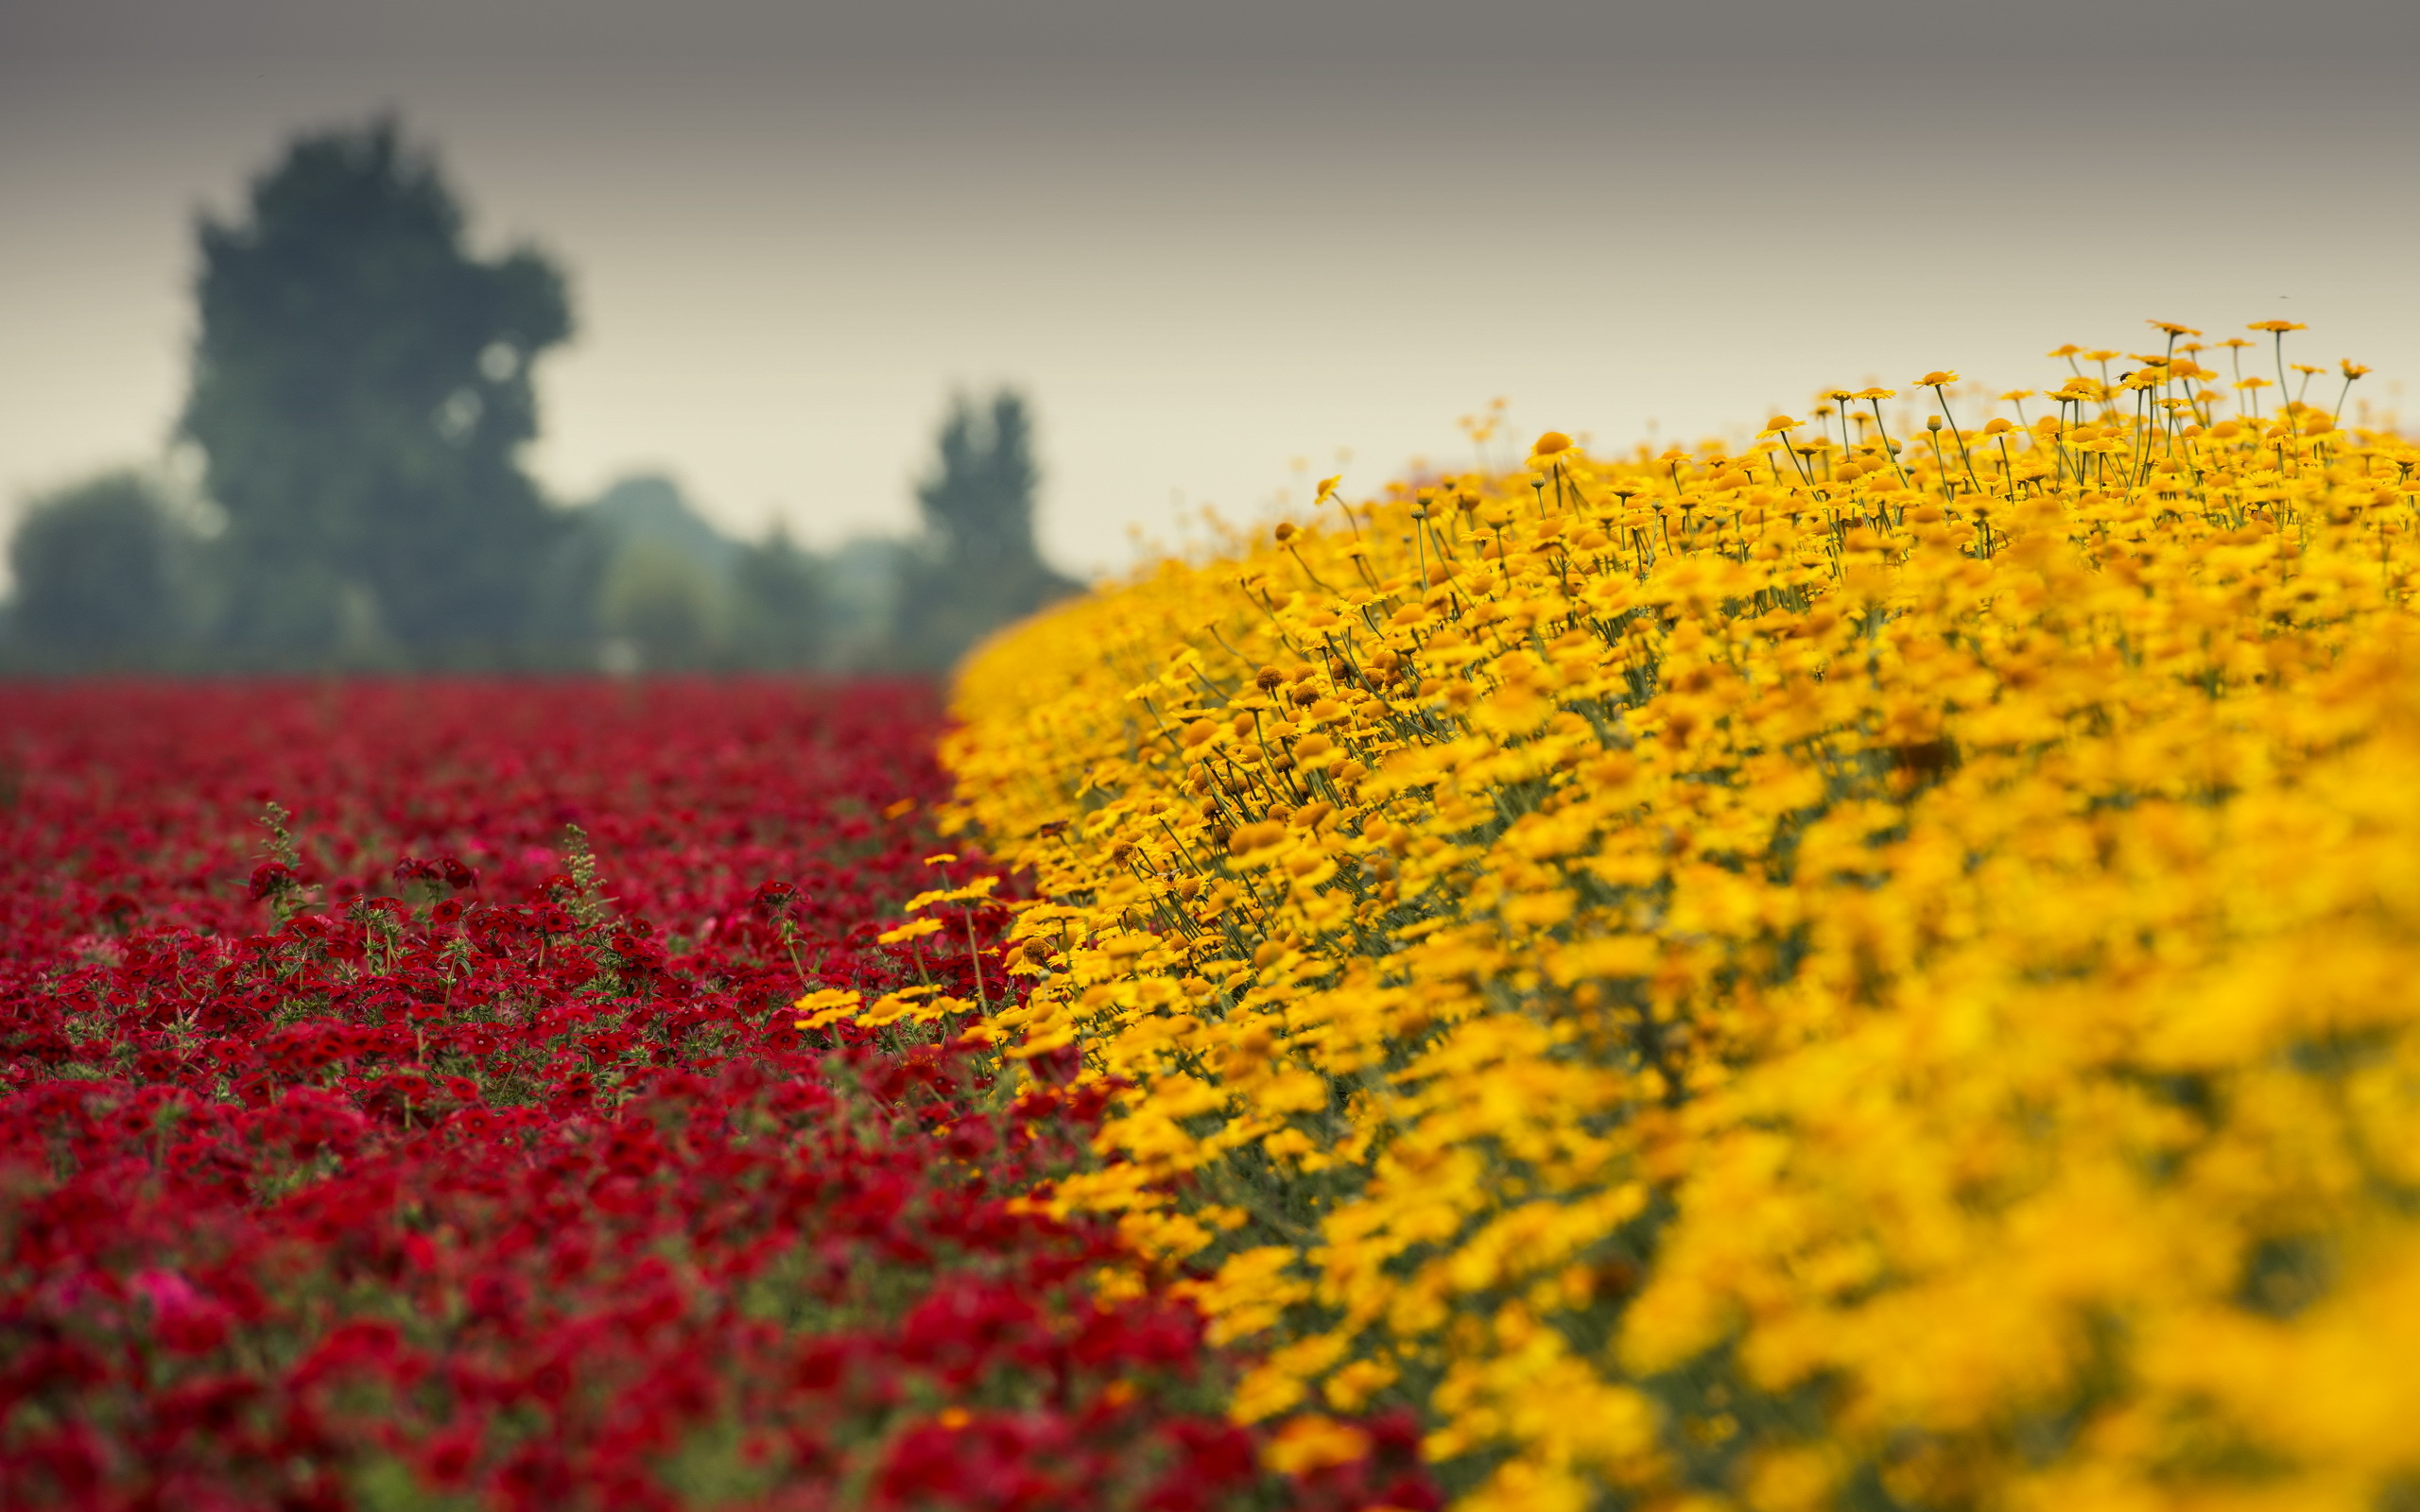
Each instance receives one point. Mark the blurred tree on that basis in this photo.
(101, 578)
(565, 626)
(648, 507)
(977, 567)
(860, 584)
(361, 392)
(778, 604)
(664, 609)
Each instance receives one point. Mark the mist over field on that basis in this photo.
(1224, 253)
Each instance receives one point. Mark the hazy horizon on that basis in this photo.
(1213, 248)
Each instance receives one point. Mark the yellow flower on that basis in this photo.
(1257, 843)
(980, 889)
(827, 1006)
(1312, 1442)
(1723, 982)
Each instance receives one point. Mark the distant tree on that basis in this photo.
(100, 580)
(860, 584)
(361, 392)
(778, 605)
(648, 507)
(977, 567)
(663, 608)
(566, 625)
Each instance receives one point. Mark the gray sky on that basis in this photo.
(1214, 239)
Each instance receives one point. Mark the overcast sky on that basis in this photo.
(1213, 241)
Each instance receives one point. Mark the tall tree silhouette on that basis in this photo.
(977, 567)
(361, 391)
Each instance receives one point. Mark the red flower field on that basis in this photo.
(449, 1144)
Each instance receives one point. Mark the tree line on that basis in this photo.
(360, 399)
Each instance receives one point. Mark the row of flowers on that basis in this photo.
(1873, 967)
(402, 1106)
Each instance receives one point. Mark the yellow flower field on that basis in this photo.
(1879, 969)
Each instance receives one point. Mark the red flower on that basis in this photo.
(538, 1195)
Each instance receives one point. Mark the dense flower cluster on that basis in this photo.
(1874, 965)
(448, 1142)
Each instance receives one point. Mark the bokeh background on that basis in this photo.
(1222, 249)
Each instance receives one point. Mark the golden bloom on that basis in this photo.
(1936, 380)
(2278, 326)
(1549, 443)
(1313, 1442)
(826, 1007)
(1256, 843)
(1729, 985)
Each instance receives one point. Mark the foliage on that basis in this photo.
(361, 390)
(663, 605)
(448, 1143)
(676, 592)
(105, 571)
(1848, 972)
(980, 568)
(649, 509)
(780, 604)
